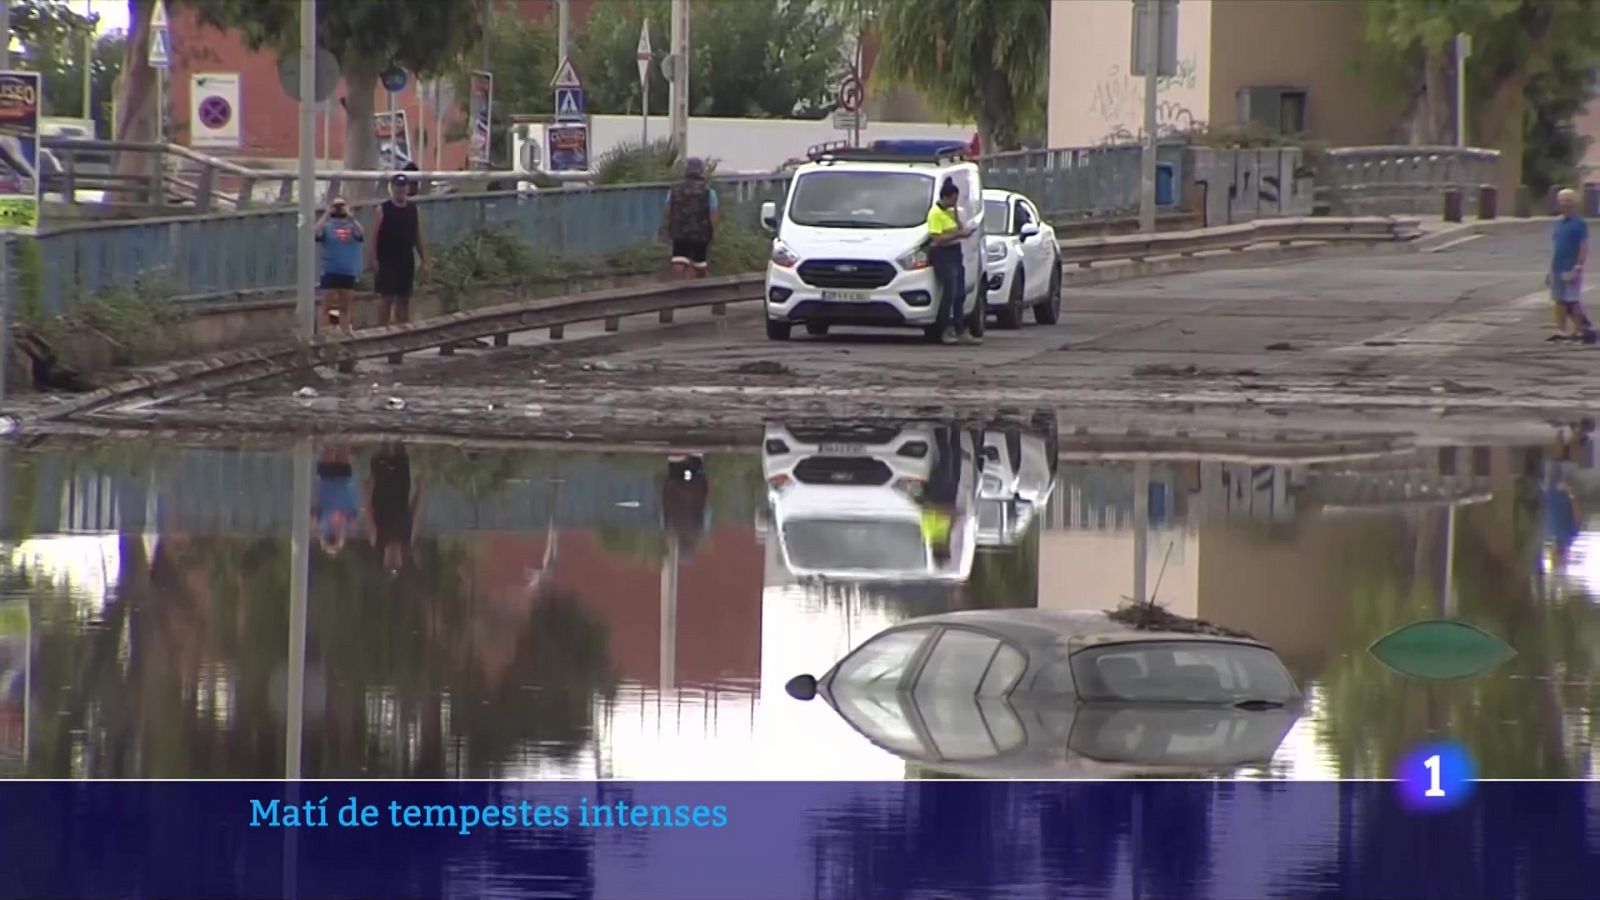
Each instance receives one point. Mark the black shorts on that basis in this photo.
(394, 281)
(331, 282)
(693, 252)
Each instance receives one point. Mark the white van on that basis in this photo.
(850, 246)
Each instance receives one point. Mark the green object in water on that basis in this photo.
(1441, 650)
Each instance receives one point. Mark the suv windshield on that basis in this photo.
(1182, 672)
(861, 199)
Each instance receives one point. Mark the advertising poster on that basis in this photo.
(14, 647)
(394, 139)
(569, 148)
(482, 113)
(19, 151)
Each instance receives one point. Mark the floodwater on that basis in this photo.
(545, 614)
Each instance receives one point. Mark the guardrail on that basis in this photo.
(1365, 180)
(228, 370)
(1085, 252)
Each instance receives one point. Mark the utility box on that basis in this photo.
(1166, 184)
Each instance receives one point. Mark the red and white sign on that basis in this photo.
(850, 94)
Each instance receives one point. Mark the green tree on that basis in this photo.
(1514, 43)
(52, 37)
(425, 37)
(975, 59)
(759, 60)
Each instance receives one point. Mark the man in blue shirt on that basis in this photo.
(1569, 249)
(341, 238)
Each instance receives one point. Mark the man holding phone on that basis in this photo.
(945, 233)
(341, 238)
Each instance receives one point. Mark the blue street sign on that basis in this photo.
(569, 104)
(394, 80)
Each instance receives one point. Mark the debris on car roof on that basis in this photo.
(1155, 617)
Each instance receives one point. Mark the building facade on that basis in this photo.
(1292, 65)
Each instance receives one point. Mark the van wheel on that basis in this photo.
(933, 334)
(1048, 310)
(1010, 315)
(777, 331)
(817, 329)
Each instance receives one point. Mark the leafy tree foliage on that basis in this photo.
(1516, 45)
(51, 38)
(982, 60)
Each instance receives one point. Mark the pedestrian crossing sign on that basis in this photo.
(160, 48)
(569, 104)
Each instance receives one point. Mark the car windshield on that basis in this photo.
(861, 199)
(1182, 672)
(996, 216)
(855, 545)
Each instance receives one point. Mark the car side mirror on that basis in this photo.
(1029, 231)
(802, 687)
(769, 217)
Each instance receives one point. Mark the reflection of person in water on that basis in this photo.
(1562, 512)
(393, 507)
(941, 495)
(336, 505)
(684, 506)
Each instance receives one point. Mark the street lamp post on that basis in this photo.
(305, 295)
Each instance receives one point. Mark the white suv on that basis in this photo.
(850, 246)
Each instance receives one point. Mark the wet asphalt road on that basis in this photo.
(1431, 341)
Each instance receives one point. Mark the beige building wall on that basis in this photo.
(1093, 97)
(1093, 570)
(1311, 44)
(1223, 45)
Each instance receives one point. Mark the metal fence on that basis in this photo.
(223, 255)
(1356, 181)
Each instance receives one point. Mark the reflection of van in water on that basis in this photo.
(845, 503)
(1019, 477)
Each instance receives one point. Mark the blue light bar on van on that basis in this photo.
(914, 147)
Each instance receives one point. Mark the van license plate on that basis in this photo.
(846, 296)
(844, 449)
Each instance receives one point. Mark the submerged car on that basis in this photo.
(1042, 693)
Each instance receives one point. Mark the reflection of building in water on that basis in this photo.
(1263, 548)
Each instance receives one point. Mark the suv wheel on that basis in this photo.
(1010, 315)
(1048, 310)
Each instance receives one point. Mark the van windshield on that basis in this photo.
(861, 199)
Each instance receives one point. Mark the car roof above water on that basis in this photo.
(1049, 627)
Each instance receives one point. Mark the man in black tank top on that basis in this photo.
(395, 250)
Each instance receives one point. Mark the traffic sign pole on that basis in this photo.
(305, 294)
(644, 55)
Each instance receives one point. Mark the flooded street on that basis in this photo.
(630, 614)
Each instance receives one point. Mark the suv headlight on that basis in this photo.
(783, 256)
(996, 252)
(914, 260)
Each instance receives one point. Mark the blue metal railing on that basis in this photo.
(224, 255)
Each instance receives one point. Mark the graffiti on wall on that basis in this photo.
(1118, 101)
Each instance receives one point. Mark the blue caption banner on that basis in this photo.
(757, 840)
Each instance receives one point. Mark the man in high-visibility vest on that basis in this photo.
(941, 497)
(945, 233)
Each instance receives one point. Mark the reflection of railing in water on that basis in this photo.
(249, 492)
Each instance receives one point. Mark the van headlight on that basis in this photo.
(914, 260)
(997, 252)
(783, 256)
